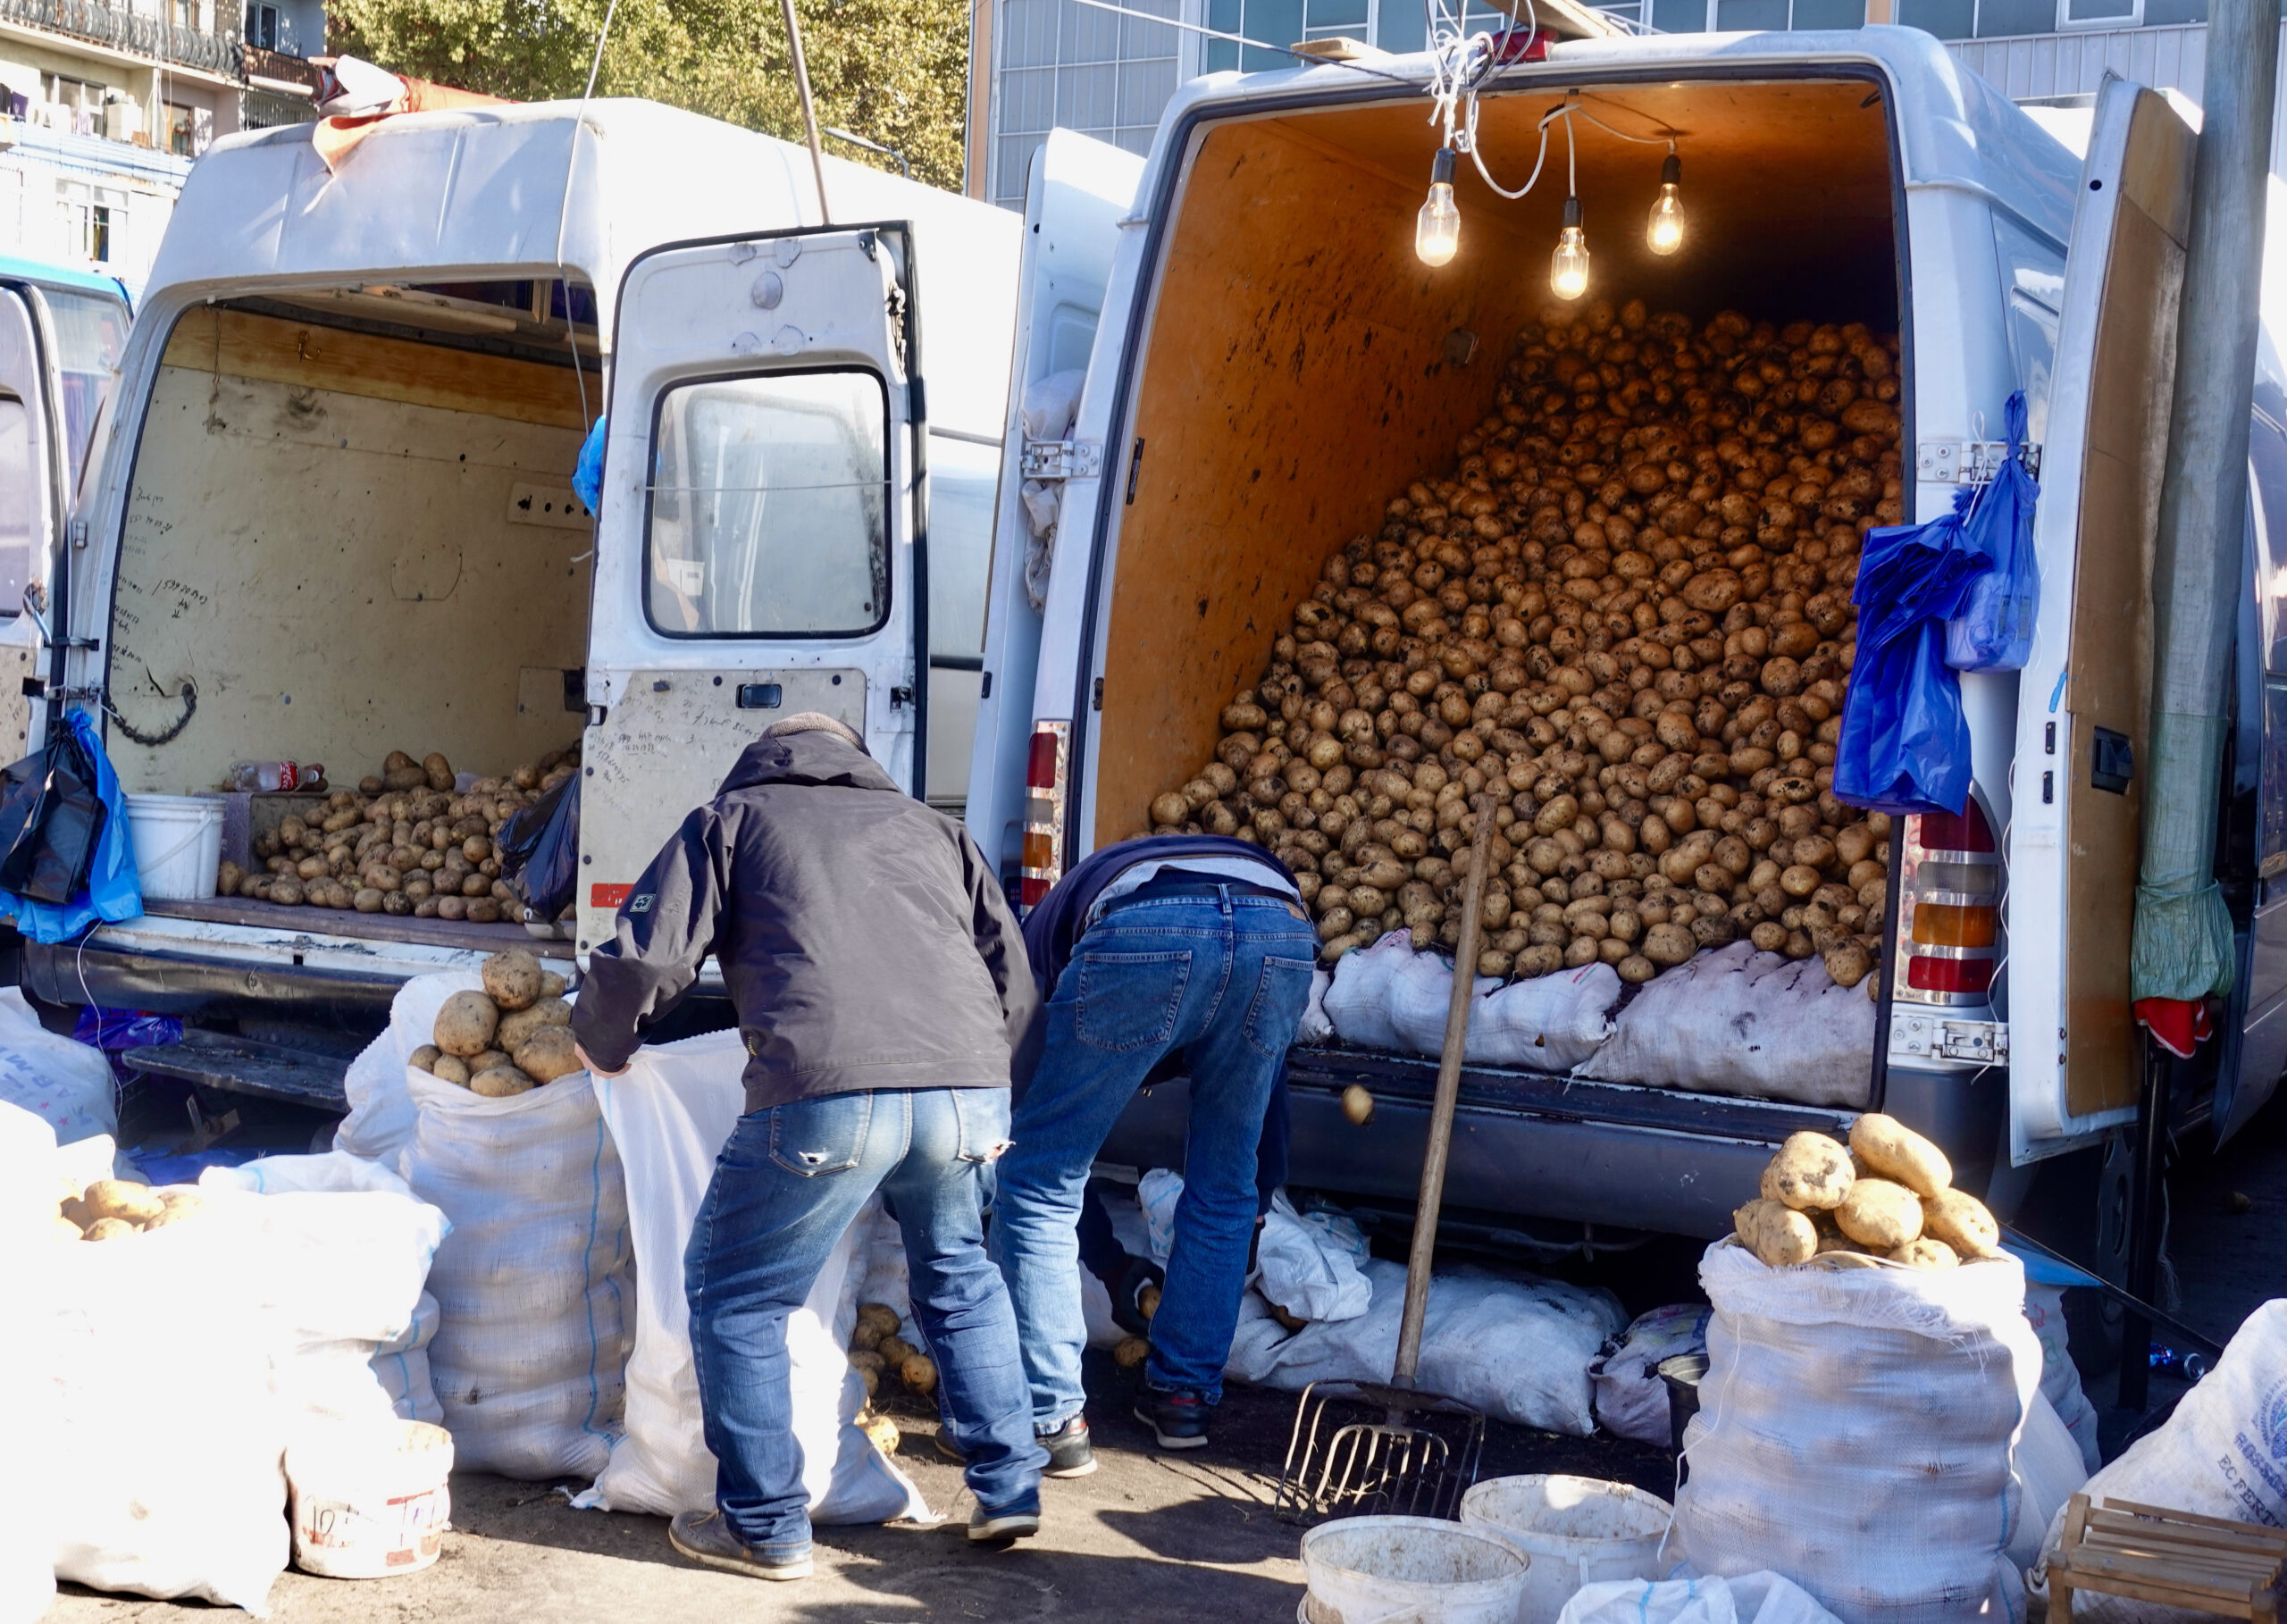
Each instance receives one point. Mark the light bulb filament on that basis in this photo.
(1664, 231)
(1568, 267)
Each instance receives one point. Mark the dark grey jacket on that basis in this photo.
(864, 939)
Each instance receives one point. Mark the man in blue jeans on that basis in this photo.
(880, 983)
(1190, 949)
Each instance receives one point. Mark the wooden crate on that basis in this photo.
(2151, 1554)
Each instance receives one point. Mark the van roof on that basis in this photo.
(492, 192)
(62, 276)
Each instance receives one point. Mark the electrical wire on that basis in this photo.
(564, 208)
(1194, 28)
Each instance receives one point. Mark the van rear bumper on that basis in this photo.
(1524, 1143)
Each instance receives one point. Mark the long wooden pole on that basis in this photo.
(809, 113)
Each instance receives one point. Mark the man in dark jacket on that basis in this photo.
(1194, 949)
(880, 983)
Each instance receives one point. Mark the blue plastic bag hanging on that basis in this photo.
(112, 889)
(1905, 744)
(588, 474)
(1994, 630)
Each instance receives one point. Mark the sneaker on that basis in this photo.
(705, 1537)
(1068, 1453)
(1020, 1520)
(946, 1448)
(1178, 1419)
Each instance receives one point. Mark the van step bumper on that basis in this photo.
(1524, 1142)
(242, 1066)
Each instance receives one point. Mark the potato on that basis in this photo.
(1896, 1152)
(548, 1054)
(111, 1229)
(516, 1027)
(1358, 1104)
(120, 1198)
(551, 985)
(1925, 1254)
(1130, 1352)
(1879, 1214)
(881, 1316)
(1961, 1221)
(500, 1083)
(451, 1069)
(175, 1215)
(1811, 1173)
(512, 978)
(1776, 1233)
(1147, 1301)
(919, 1373)
(465, 1024)
(895, 1350)
(437, 771)
(483, 910)
(865, 1359)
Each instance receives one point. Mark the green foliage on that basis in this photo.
(893, 71)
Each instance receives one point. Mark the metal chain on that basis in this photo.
(188, 695)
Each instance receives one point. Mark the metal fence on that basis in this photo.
(123, 30)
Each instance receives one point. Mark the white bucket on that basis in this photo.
(1577, 1531)
(1410, 1570)
(370, 1501)
(178, 844)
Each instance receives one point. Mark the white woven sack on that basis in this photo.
(1357, 1003)
(670, 1114)
(1740, 1022)
(37, 1255)
(380, 1124)
(1550, 1023)
(2222, 1453)
(1857, 1430)
(534, 1282)
(401, 1365)
(67, 1084)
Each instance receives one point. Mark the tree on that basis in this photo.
(893, 71)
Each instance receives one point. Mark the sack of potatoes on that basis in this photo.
(1624, 622)
(112, 1209)
(1889, 1194)
(406, 841)
(509, 1039)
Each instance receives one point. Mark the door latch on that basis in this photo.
(1063, 459)
(1967, 462)
(1937, 1037)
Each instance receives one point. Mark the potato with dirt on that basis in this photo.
(1879, 1215)
(1776, 1233)
(1812, 1173)
(465, 1024)
(1896, 1152)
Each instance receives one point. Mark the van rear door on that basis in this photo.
(1079, 189)
(2081, 746)
(756, 535)
(34, 486)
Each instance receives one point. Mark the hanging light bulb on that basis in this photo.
(1437, 230)
(1568, 267)
(1663, 232)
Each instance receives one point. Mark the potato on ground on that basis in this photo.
(1879, 1215)
(1898, 1153)
(1812, 1173)
(1962, 1222)
(1776, 1233)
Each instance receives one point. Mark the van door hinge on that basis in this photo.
(1937, 1037)
(77, 530)
(1967, 462)
(1063, 459)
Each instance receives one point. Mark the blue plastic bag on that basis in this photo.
(115, 890)
(1994, 630)
(1905, 744)
(588, 474)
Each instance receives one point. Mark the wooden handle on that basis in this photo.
(1441, 1110)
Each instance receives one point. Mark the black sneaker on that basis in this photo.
(1068, 1453)
(1178, 1419)
(705, 1537)
(1017, 1521)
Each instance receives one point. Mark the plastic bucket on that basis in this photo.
(178, 842)
(369, 1500)
(1576, 1530)
(1410, 1570)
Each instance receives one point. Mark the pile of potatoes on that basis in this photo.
(876, 1350)
(405, 841)
(1889, 1195)
(1626, 617)
(509, 1039)
(112, 1209)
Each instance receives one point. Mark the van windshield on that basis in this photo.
(90, 333)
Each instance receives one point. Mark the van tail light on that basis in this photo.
(1043, 864)
(1950, 888)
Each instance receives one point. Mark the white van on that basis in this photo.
(1268, 363)
(334, 515)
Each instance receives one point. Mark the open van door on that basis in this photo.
(1079, 191)
(756, 535)
(2081, 708)
(33, 494)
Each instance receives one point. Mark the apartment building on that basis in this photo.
(104, 107)
(1037, 65)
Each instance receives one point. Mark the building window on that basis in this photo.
(76, 94)
(1736, 16)
(1060, 64)
(261, 27)
(90, 213)
(2004, 19)
(179, 127)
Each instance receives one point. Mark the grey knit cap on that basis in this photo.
(816, 722)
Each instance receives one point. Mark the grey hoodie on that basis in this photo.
(865, 940)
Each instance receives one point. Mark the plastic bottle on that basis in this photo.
(272, 776)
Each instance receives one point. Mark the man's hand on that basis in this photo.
(591, 1066)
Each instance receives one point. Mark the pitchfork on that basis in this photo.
(1360, 1447)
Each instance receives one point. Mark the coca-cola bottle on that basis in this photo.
(270, 776)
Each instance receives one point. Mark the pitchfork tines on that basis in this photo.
(1362, 1449)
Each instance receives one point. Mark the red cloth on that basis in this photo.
(2177, 1025)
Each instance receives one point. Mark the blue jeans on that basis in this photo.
(785, 1189)
(1223, 979)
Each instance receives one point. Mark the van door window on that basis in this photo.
(19, 499)
(962, 479)
(2267, 458)
(769, 505)
(91, 336)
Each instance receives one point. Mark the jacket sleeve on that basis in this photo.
(665, 930)
(1000, 943)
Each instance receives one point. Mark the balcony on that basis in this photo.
(280, 68)
(149, 37)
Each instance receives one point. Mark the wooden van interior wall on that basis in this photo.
(324, 534)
